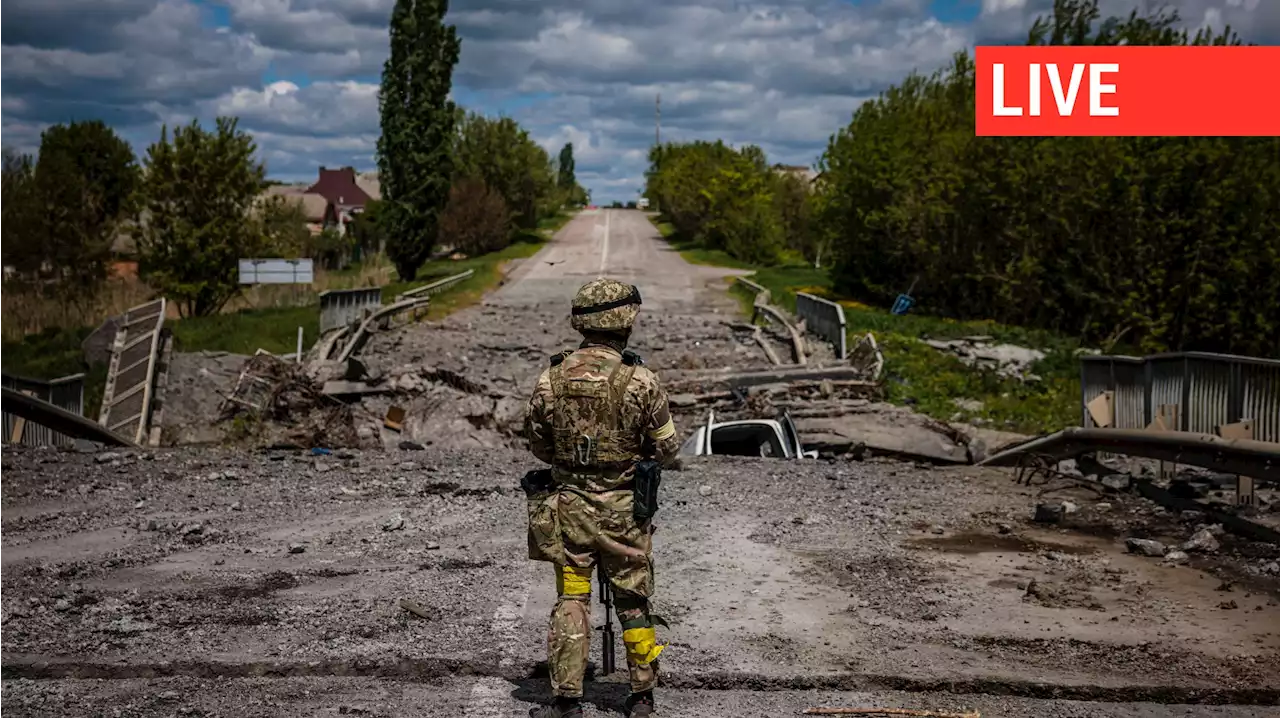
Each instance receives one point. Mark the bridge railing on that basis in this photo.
(1209, 390)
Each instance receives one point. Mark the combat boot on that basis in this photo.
(640, 705)
(560, 708)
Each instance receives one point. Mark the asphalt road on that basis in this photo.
(622, 245)
(230, 583)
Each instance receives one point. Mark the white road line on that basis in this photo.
(491, 695)
(604, 247)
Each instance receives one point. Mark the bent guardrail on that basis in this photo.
(343, 307)
(57, 419)
(66, 393)
(824, 318)
(437, 286)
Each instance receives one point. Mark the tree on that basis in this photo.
(477, 220)
(70, 205)
(794, 200)
(720, 197)
(19, 230)
(367, 230)
(199, 191)
(1166, 242)
(284, 226)
(565, 177)
(418, 120)
(501, 152)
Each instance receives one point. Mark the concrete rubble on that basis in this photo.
(1007, 360)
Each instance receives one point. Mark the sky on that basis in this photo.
(302, 74)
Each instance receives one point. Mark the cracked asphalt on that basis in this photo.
(221, 582)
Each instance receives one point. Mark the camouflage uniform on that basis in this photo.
(594, 413)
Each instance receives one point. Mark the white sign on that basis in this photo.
(276, 271)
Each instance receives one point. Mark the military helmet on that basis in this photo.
(605, 305)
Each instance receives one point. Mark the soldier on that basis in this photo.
(595, 413)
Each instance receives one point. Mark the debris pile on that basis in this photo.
(275, 402)
(1007, 360)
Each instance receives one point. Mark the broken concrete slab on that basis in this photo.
(887, 430)
(1146, 547)
(1009, 360)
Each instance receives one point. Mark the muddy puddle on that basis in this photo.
(971, 543)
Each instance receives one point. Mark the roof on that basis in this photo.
(801, 171)
(285, 189)
(369, 182)
(313, 206)
(339, 186)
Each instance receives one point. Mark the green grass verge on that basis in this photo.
(920, 376)
(488, 272)
(245, 332)
(695, 253)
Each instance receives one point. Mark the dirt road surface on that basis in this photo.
(218, 582)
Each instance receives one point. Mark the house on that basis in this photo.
(805, 173)
(368, 181)
(320, 214)
(347, 191)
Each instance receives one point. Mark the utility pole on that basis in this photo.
(657, 120)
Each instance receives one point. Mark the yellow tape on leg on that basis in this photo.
(642, 645)
(573, 581)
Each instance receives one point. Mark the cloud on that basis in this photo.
(301, 74)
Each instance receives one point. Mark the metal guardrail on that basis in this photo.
(439, 285)
(366, 327)
(761, 292)
(344, 307)
(824, 318)
(66, 393)
(1210, 390)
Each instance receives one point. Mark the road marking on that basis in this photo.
(491, 695)
(604, 248)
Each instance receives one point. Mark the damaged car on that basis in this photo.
(771, 438)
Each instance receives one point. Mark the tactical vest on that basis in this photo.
(588, 420)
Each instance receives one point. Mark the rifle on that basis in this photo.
(608, 640)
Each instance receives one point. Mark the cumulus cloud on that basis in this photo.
(301, 74)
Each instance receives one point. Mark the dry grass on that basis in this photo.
(26, 312)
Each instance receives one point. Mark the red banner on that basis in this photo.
(1128, 91)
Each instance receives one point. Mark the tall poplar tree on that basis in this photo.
(566, 179)
(414, 161)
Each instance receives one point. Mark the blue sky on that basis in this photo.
(302, 74)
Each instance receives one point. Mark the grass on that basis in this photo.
(695, 253)
(274, 329)
(916, 374)
(920, 376)
(488, 272)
